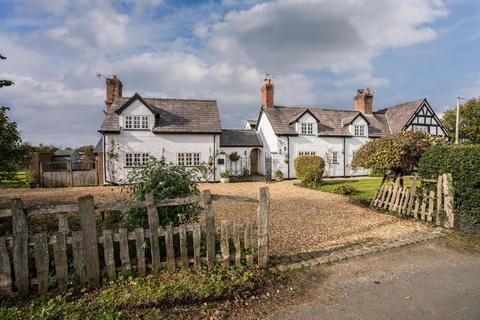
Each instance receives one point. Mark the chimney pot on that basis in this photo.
(267, 94)
(113, 90)
(363, 101)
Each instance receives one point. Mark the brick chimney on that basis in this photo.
(363, 101)
(267, 94)
(114, 89)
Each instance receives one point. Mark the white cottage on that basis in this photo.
(188, 132)
(333, 134)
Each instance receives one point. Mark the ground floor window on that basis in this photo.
(307, 153)
(136, 159)
(335, 157)
(188, 158)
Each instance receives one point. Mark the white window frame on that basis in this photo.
(359, 130)
(136, 122)
(136, 159)
(307, 153)
(335, 157)
(188, 159)
(421, 128)
(306, 128)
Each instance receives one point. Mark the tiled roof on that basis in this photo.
(173, 116)
(332, 122)
(239, 138)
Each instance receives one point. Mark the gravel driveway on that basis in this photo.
(301, 220)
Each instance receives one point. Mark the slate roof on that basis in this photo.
(332, 122)
(239, 138)
(171, 115)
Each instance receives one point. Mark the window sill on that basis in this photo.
(127, 129)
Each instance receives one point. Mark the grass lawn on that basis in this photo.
(364, 188)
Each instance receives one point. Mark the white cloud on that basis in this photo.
(288, 35)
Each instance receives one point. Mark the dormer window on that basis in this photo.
(136, 122)
(359, 130)
(306, 128)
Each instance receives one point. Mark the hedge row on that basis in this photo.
(463, 162)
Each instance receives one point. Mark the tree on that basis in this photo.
(13, 154)
(397, 152)
(88, 149)
(469, 125)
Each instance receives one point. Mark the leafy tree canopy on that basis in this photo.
(14, 155)
(5, 83)
(469, 125)
(398, 152)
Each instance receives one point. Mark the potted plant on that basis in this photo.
(278, 175)
(234, 157)
(224, 176)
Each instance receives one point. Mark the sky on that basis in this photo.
(319, 51)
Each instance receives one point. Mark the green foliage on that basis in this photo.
(463, 162)
(88, 149)
(469, 125)
(309, 169)
(130, 297)
(398, 152)
(3, 82)
(344, 189)
(279, 174)
(13, 154)
(224, 174)
(165, 181)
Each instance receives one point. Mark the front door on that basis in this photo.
(254, 161)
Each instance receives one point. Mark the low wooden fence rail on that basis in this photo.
(426, 205)
(88, 257)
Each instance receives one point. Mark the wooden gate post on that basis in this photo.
(448, 191)
(210, 225)
(153, 223)
(89, 237)
(20, 245)
(411, 200)
(439, 200)
(262, 221)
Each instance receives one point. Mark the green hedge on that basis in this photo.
(463, 162)
(309, 169)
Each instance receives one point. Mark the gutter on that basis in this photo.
(288, 150)
(344, 157)
(214, 160)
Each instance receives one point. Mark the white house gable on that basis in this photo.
(136, 116)
(306, 124)
(359, 127)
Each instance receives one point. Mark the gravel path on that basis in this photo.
(301, 220)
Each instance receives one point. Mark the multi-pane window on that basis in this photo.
(359, 130)
(136, 122)
(188, 159)
(420, 128)
(136, 159)
(335, 157)
(307, 128)
(307, 153)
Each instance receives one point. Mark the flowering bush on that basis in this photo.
(397, 152)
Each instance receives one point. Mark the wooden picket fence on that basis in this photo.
(102, 256)
(427, 205)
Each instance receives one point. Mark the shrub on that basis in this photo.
(344, 189)
(309, 169)
(398, 152)
(463, 162)
(165, 181)
(279, 174)
(224, 174)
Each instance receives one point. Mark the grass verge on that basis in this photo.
(153, 297)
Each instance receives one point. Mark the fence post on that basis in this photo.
(439, 200)
(210, 225)
(41, 261)
(411, 200)
(89, 238)
(63, 223)
(5, 269)
(262, 221)
(20, 245)
(60, 257)
(448, 191)
(153, 226)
